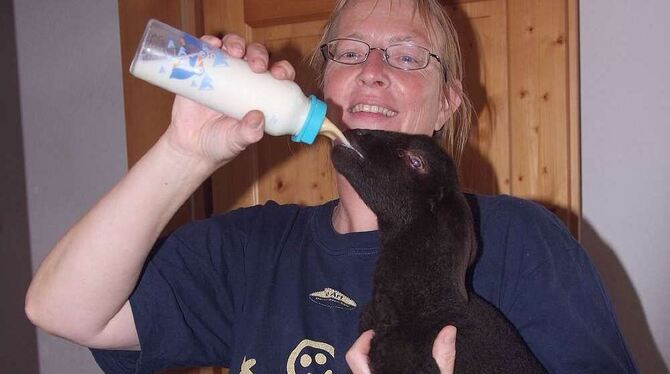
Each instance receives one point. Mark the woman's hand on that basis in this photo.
(444, 351)
(206, 135)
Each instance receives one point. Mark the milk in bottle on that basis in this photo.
(180, 63)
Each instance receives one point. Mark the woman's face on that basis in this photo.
(374, 94)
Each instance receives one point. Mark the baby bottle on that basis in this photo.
(180, 63)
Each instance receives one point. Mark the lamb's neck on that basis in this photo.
(424, 250)
(413, 241)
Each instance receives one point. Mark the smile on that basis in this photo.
(368, 108)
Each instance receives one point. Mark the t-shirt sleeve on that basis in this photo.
(186, 299)
(553, 295)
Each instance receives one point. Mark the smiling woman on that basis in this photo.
(430, 36)
(238, 289)
(413, 97)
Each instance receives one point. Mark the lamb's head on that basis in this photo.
(401, 177)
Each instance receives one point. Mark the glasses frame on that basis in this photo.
(327, 56)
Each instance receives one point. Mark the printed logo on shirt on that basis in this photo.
(310, 356)
(247, 365)
(333, 299)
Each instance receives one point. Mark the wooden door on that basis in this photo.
(520, 71)
(276, 168)
(147, 108)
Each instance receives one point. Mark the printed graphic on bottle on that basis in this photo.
(187, 66)
(193, 66)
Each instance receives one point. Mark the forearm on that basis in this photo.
(89, 274)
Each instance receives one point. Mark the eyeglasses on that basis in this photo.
(404, 56)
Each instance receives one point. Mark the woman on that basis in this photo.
(279, 288)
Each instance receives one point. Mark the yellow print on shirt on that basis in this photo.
(310, 353)
(247, 365)
(332, 298)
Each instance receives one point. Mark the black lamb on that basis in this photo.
(427, 245)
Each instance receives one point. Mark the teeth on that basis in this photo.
(368, 108)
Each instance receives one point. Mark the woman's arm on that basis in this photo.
(80, 290)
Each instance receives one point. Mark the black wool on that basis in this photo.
(427, 245)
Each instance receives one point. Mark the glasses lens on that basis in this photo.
(407, 56)
(348, 51)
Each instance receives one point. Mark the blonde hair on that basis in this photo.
(444, 43)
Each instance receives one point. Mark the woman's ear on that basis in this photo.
(450, 102)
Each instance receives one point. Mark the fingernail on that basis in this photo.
(261, 64)
(450, 338)
(238, 48)
(257, 125)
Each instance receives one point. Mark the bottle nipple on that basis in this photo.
(329, 130)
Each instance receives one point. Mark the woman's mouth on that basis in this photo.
(372, 108)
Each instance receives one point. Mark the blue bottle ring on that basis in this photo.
(310, 128)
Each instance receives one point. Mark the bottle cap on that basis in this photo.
(310, 128)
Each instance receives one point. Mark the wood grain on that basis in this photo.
(539, 109)
(147, 108)
(482, 31)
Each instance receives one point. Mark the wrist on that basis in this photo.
(178, 158)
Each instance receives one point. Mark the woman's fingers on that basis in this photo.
(444, 352)
(256, 54)
(213, 41)
(444, 349)
(357, 356)
(257, 57)
(283, 70)
(234, 45)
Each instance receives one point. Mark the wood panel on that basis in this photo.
(482, 31)
(574, 206)
(235, 185)
(259, 13)
(291, 172)
(147, 108)
(521, 73)
(276, 168)
(540, 131)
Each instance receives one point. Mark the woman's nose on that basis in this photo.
(374, 70)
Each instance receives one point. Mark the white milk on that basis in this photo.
(232, 89)
(180, 63)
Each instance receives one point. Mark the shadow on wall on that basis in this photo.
(625, 300)
(630, 313)
(18, 341)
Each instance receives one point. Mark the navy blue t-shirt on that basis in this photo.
(275, 289)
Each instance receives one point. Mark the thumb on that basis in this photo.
(250, 128)
(230, 136)
(357, 356)
(444, 350)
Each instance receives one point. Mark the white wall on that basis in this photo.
(625, 88)
(71, 102)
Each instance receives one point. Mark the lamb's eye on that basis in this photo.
(416, 162)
